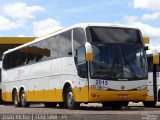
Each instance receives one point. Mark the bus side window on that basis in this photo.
(158, 69)
(81, 62)
(150, 63)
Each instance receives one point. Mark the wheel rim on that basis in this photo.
(23, 100)
(70, 99)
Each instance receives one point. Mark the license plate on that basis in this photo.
(123, 96)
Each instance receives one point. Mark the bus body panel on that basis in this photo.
(150, 94)
(109, 90)
(151, 86)
(45, 81)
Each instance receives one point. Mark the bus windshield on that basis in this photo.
(121, 61)
(118, 54)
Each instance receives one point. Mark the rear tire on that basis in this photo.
(15, 99)
(69, 99)
(149, 103)
(23, 99)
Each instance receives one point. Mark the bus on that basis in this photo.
(84, 63)
(153, 95)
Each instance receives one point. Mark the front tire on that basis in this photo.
(69, 99)
(149, 103)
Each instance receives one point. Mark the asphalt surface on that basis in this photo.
(93, 111)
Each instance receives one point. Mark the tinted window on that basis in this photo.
(150, 63)
(7, 61)
(81, 62)
(51, 44)
(64, 44)
(42, 51)
(14, 58)
(158, 67)
(22, 56)
(79, 38)
(53, 47)
(114, 35)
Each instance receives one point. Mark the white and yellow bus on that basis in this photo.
(84, 63)
(153, 95)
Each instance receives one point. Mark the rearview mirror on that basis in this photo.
(146, 40)
(155, 57)
(146, 48)
(89, 52)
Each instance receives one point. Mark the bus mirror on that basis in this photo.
(155, 57)
(146, 40)
(89, 53)
(146, 48)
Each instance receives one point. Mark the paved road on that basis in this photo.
(86, 112)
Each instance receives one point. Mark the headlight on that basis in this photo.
(142, 88)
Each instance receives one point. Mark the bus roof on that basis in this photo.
(81, 25)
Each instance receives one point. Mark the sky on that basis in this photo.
(39, 17)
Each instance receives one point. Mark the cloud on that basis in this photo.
(46, 26)
(130, 19)
(6, 24)
(17, 15)
(146, 4)
(21, 36)
(151, 16)
(21, 10)
(147, 30)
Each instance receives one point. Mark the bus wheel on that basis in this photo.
(69, 99)
(50, 104)
(15, 99)
(23, 99)
(149, 103)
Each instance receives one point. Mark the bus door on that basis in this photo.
(82, 68)
(150, 78)
(153, 79)
(158, 81)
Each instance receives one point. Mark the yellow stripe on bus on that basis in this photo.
(81, 95)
